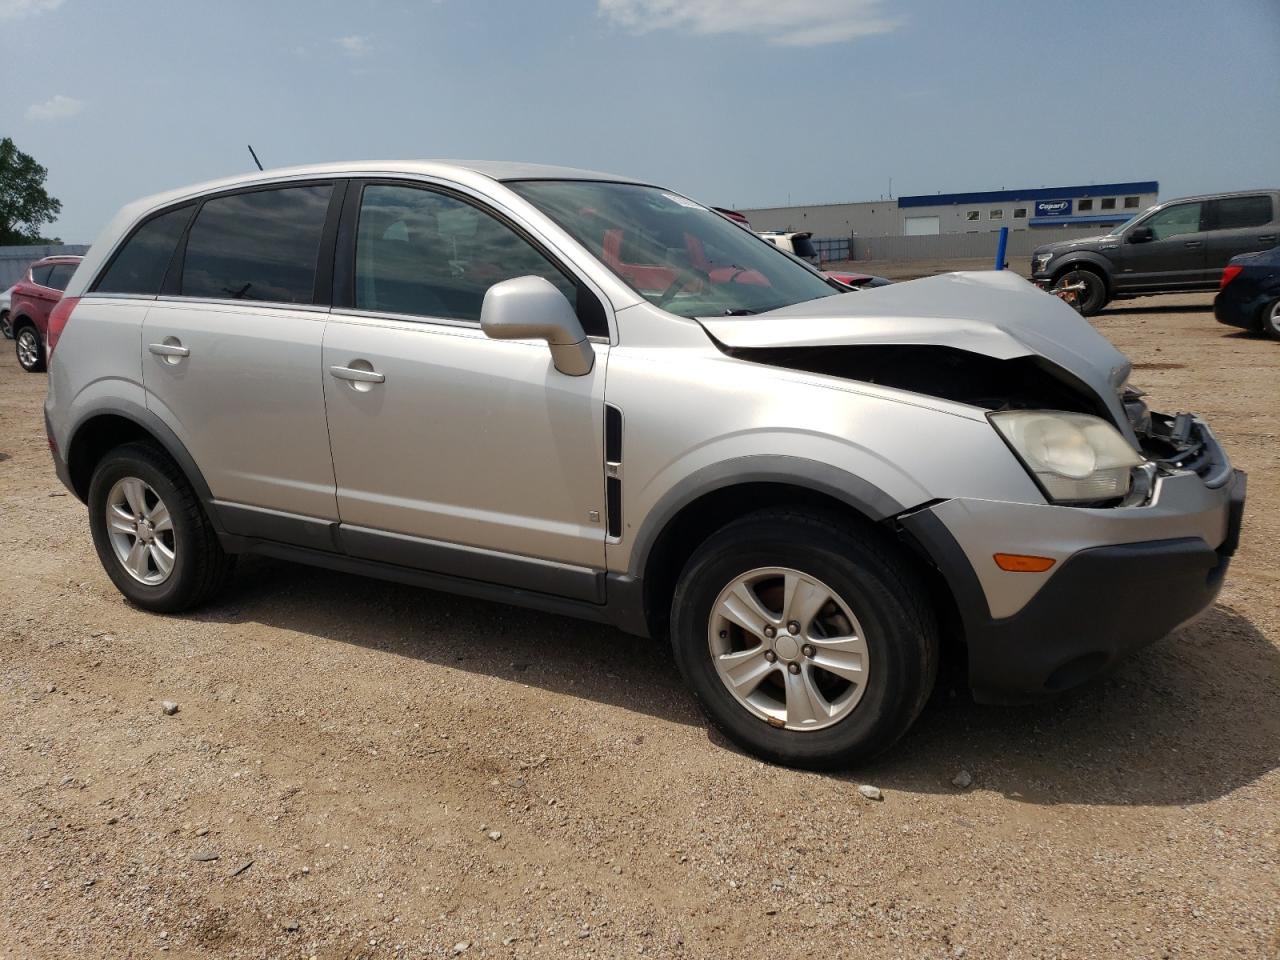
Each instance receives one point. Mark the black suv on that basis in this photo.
(1180, 246)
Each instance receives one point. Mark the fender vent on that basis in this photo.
(613, 469)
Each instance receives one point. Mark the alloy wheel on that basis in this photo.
(141, 531)
(788, 648)
(28, 347)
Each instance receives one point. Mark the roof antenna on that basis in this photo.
(255, 157)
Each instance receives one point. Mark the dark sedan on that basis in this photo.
(1250, 293)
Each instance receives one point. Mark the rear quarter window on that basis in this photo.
(40, 274)
(61, 275)
(140, 264)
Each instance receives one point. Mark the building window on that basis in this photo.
(971, 216)
(1083, 205)
(1131, 203)
(1108, 203)
(996, 214)
(1019, 213)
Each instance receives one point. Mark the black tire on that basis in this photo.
(867, 570)
(1269, 320)
(200, 567)
(5, 330)
(30, 350)
(1094, 296)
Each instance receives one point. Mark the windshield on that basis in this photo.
(1116, 231)
(675, 253)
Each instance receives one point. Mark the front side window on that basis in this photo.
(1237, 213)
(677, 254)
(61, 275)
(429, 254)
(257, 246)
(140, 265)
(1174, 221)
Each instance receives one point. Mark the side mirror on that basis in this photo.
(1140, 235)
(531, 308)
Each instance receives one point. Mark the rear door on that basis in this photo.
(42, 294)
(1237, 225)
(1174, 257)
(231, 356)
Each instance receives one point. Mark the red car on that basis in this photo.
(32, 301)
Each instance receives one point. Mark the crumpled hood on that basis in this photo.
(995, 313)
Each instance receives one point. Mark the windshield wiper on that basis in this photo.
(740, 312)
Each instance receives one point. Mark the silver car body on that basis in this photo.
(476, 460)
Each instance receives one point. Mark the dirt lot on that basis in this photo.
(360, 769)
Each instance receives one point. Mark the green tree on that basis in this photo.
(25, 206)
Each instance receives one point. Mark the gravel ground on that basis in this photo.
(359, 769)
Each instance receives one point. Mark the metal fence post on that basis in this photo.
(1000, 248)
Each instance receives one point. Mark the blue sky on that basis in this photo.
(735, 102)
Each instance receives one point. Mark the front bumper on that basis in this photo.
(1124, 577)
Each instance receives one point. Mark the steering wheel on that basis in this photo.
(684, 276)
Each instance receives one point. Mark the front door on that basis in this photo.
(1174, 256)
(232, 363)
(453, 452)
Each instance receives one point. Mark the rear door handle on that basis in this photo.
(356, 375)
(169, 350)
(1193, 243)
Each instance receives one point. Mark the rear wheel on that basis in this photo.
(151, 533)
(5, 329)
(30, 349)
(807, 641)
(1271, 320)
(1094, 295)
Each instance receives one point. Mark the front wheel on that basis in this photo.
(1271, 320)
(807, 641)
(30, 349)
(1094, 295)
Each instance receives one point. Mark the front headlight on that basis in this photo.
(1076, 458)
(1040, 261)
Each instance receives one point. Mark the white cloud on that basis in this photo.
(13, 9)
(355, 45)
(56, 107)
(800, 23)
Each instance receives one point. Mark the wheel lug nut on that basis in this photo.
(770, 656)
(807, 650)
(793, 667)
(770, 632)
(793, 627)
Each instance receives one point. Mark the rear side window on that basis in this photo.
(257, 246)
(1235, 213)
(41, 273)
(803, 247)
(60, 275)
(140, 265)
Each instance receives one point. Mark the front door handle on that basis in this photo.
(356, 375)
(1267, 239)
(169, 350)
(1193, 243)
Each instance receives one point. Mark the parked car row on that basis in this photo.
(399, 370)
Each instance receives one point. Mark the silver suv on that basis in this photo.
(597, 397)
